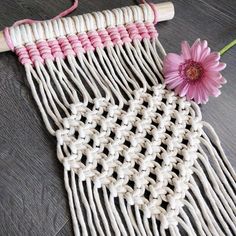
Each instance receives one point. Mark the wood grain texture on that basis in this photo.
(32, 196)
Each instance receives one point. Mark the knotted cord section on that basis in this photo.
(143, 152)
(73, 44)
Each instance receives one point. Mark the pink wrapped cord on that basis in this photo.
(83, 42)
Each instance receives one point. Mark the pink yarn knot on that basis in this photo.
(75, 43)
(114, 35)
(124, 35)
(23, 55)
(142, 29)
(34, 53)
(133, 31)
(55, 48)
(44, 50)
(86, 44)
(65, 46)
(105, 37)
(95, 39)
(151, 30)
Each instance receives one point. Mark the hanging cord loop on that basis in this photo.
(30, 21)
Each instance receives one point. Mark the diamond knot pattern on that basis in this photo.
(140, 151)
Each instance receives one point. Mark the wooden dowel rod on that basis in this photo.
(166, 12)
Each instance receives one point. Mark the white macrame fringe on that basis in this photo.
(113, 74)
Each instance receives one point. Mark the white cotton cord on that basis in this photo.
(76, 69)
(230, 176)
(197, 217)
(162, 231)
(126, 216)
(216, 183)
(49, 102)
(173, 231)
(202, 216)
(51, 94)
(155, 51)
(107, 78)
(216, 141)
(66, 84)
(93, 207)
(126, 67)
(112, 75)
(117, 216)
(150, 68)
(44, 92)
(50, 66)
(88, 74)
(186, 219)
(152, 53)
(221, 192)
(220, 169)
(107, 75)
(85, 75)
(57, 80)
(215, 202)
(74, 76)
(136, 65)
(44, 97)
(133, 221)
(186, 227)
(154, 226)
(89, 222)
(89, 67)
(160, 47)
(78, 208)
(110, 213)
(29, 70)
(71, 203)
(139, 220)
(101, 211)
(123, 77)
(147, 226)
(204, 207)
(143, 65)
(99, 78)
(151, 63)
(124, 72)
(131, 67)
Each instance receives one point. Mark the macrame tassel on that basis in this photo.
(138, 160)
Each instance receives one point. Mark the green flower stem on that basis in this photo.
(227, 47)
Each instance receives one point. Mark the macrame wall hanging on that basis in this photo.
(137, 159)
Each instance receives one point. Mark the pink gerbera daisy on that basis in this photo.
(195, 73)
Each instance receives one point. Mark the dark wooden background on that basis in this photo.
(32, 196)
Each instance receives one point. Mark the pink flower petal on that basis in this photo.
(182, 89)
(221, 66)
(174, 83)
(213, 74)
(196, 52)
(204, 45)
(200, 72)
(214, 56)
(186, 51)
(205, 53)
(191, 92)
(172, 62)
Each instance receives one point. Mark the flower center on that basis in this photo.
(193, 70)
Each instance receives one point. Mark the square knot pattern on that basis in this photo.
(143, 151)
